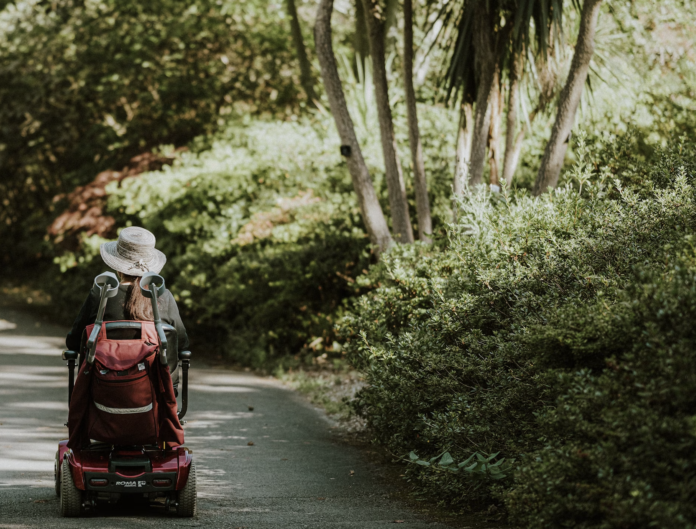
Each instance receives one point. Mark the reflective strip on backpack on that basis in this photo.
(123, 411)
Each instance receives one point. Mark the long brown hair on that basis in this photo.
(136, 306)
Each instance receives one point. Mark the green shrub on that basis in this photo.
(85, 85)
(479, 347)
(262, 243)
(621, 440)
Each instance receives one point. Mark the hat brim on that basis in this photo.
(109, 253)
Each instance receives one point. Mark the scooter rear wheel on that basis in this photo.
(70, 495)
(186, 498)
(56, 473)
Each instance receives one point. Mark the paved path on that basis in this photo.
(294, 475)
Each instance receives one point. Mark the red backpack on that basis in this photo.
(125, 397)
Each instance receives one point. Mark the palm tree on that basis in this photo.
(490, 35)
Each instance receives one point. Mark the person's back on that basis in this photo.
(131, 256)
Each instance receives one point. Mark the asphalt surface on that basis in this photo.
(296, 473)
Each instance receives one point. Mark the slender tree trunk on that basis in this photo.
(461, 169)
(425, 223)
(510, 163)
(464, 136)
(487, 67)
(494, 135)
(361, 45)
(552, 162)
(401, 222)
(371, 210)
(306, 77)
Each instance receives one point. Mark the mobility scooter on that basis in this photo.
(121, 447)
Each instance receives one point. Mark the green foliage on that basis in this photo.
(540, 355)
(441, 473)
(621, 440)
(262, 243)
(86, 85)
(529, 22)
(516, 339)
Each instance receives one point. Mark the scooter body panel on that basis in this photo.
(128, 471)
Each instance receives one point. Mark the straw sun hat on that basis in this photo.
(133, 253)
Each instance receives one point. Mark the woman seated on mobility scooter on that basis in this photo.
(131, 256)
(125, 433)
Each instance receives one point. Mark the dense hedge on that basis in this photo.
(556, 332)
(85, 85)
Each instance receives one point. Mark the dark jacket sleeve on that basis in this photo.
(173, 318)
(86, 316)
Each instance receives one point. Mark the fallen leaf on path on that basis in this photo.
(251, 408)
(399, 521)
(250, 443)
(352, 472)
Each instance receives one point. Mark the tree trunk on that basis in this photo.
(511, 158)
(568, 103)
(461, 169)
(361, 45)
(464, 136)
(494, 135)
(305, 67)
(401, 222)
(371, 210)
(425, 223)
(487, 67)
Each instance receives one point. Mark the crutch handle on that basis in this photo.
(108, 284)
(150, 280)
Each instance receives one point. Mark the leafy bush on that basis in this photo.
(262, 243)
(621, 440)
(86, 85)
(520, 328)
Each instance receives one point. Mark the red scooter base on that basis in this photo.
(106, 473)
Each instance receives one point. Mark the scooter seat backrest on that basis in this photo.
(122, 354)
(132, 330)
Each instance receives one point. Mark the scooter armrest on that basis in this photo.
(184, 355)
(69, 355)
